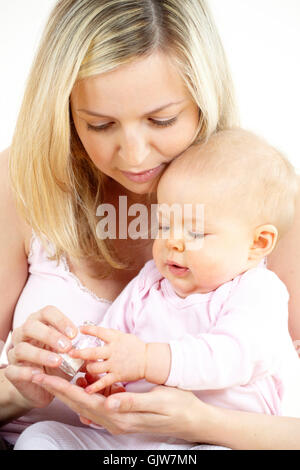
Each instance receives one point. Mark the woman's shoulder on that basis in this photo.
(12, 222)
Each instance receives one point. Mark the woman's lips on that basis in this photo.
(176, 269)
(145, 175)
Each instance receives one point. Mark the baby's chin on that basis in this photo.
(180, 294)
(185, 291)
(181, 291)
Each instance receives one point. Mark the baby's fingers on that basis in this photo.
(90, 354)
(117, 388)
(85, 420)
(105, 381)
(106, 334)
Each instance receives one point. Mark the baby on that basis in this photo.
(205, 314)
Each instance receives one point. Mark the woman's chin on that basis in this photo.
(138, 188)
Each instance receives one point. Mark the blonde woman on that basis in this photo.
(117, 90)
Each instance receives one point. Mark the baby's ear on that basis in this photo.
(264, 241)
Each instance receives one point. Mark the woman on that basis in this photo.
(117, 88)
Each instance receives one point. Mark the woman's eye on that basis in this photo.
(163, 123)
(103, 127)
(155, 122)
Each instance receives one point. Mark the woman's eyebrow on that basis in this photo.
(93, 113)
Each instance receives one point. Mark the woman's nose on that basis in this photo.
(173, 244)
(134, 149)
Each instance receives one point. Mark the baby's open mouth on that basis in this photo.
(177, 269)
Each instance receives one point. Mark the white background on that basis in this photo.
(262, 42)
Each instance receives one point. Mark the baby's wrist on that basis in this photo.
(157, 362)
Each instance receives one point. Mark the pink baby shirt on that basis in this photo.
(227, 345)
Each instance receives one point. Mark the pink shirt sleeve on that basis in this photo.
(243, 344)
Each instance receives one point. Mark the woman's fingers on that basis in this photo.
(26, 352)
(75, 397)
(54, 317)
(21, 374)
(49, 326)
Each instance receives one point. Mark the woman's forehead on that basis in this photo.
(145, 84)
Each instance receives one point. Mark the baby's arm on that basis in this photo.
(247, 340)
(241, 345)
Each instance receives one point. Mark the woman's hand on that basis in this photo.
(32, 351)
(163, 410)
(106, 392)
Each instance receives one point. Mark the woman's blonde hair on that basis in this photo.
(57, 186)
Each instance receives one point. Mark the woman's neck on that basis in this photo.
(138, 249)
(114, 190)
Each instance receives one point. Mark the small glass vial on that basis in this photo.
(71, 365)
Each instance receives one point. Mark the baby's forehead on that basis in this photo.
(226, 156)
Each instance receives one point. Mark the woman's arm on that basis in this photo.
(14, 266)
(17, 393)
(12, 403)
(13, 275)
(285, 262)
(241, 430)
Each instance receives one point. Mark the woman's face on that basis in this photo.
(135, 119)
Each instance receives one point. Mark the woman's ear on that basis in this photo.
(264, 241)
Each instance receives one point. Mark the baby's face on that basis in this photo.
(198, 255)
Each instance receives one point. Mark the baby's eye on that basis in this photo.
(164, 228)
(197, 235)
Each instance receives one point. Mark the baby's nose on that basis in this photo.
(175, 244)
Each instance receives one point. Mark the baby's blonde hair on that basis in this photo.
(236, 166)
(57, 187)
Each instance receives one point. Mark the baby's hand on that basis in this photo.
(122, 358)
(89, 379)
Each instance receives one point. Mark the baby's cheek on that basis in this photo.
(204, 269)
(157, 252)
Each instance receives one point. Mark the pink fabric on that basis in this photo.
(228, 346)
(52, 284)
